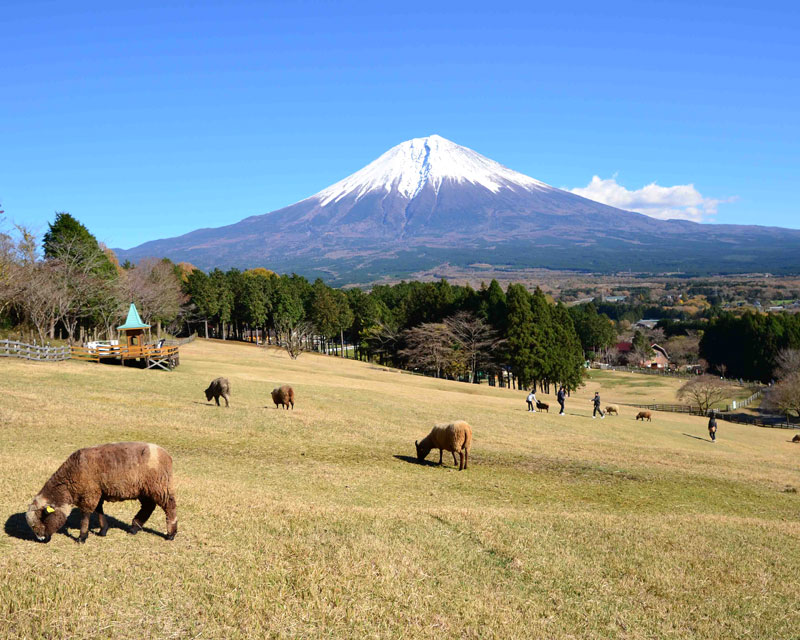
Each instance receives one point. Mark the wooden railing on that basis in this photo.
(14, 349)
(124, 352)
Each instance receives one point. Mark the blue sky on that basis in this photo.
(152, 120)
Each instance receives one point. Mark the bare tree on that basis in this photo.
(787, 362)
(704, 391)
(156, 289)
(383, 340)
(785, 395)
(294, 338)
(429, 347)
(474, 339)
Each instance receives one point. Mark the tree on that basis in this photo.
(428, 347)
(520, 334)
(568, 354)
(65, 233)
(295, 337)
(473, 338)
(785, 394)
(154, 285)
(704, 391)
(787, 362)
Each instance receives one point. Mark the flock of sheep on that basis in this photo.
(143, 471)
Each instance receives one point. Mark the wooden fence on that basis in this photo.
(775, 422)
(39, 352)
(164, 357)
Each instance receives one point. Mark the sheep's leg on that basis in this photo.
(460, 459)
(102, 517)
(466, 458)
(454, 459)
(84, 526)
(170, 508)
(440, 456)
(225, 397)
(216, 399)
(148, 504)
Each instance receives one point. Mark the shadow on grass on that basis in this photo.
(17, 526)
(414, 460)
(689, 435)
(207, 404)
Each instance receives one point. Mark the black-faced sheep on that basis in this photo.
(113, 472)
(456, 436)
(612, 408)
(219, 387)
(283, 396)
(542, 406)
(644, 415)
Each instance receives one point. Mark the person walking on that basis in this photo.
(712, 426)
(531, 399)
(562, 396)
(597, 408)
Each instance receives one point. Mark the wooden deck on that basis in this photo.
(166, 357)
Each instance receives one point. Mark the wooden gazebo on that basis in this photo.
(133, 329)
(134, 347)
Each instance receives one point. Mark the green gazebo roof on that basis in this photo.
(133, 321)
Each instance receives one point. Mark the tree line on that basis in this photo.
(74, 288)
(748, 346)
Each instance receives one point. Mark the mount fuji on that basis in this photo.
(429, 201)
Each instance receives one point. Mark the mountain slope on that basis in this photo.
(429, 200)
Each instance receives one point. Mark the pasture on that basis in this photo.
(318, 522)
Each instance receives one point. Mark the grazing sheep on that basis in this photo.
(219, 387)
(283, 396)
(796, 438)
(612, 408)
(642, 415)
(456, 436)
(114, 472)
(543, 406)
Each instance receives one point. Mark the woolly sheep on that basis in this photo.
(642, 415)
(114, 472)
(796, 438)
(283, 396)
(542, 406)
(219, 387)
(456, 436)
(612, 408)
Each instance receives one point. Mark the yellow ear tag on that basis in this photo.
(49, 509)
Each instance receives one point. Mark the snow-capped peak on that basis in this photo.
(411, 165)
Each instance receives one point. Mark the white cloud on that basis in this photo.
(682, 201)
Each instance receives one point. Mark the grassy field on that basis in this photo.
(318, 522)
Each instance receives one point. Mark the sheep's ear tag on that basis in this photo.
(49, 509)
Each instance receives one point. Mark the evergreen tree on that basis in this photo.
(520, 345)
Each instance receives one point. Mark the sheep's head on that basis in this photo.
(422, 450)
(209, 394)
(44, 519)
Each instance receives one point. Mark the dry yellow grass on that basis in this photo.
(315, 523)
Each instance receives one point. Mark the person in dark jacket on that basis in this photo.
(562, 395)
(712, 426)
(597, 408)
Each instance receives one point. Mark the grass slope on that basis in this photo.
(316, 523)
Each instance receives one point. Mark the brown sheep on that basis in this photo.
(114, 472)
(796, 438)
(543, 406)
(642, 415)
(219, 387)
(283, 396)
(612, 408)
(456, 436)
